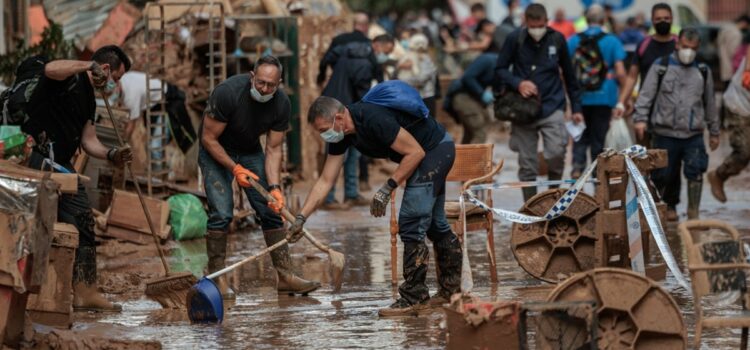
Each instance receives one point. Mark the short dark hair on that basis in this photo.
(383, 38)
(324, 107)
(268, 59)
(481, 25)
(660, 6)
(691, 34)
(743, 18)
(477, 7)
(112, 55)
(536, 12)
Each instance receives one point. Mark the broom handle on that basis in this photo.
(287, 215)
(137, 189)
(247, 260)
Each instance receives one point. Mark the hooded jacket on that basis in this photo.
(352, 74)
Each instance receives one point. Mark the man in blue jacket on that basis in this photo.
(597, 102)
(467, 98)
(537, 54)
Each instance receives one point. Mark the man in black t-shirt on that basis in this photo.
(425, 154)
(239, 111)
(61, 119)
(660, 44)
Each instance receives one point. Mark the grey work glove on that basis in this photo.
(98, 76)
(120, 155)
(381, 198)
(296, 231)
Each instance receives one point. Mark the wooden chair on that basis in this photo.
(716, 265)
(472, 166)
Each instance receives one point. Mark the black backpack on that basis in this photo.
(15, 99)
(591, 70)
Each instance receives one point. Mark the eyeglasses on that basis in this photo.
(259, 84)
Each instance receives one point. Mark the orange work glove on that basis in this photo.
(746, 79)
(279, 203)
(241, 174)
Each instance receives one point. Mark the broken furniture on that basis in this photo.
(592, 232)
(28, 210)
(53, 306)
(633, 311)
(558, 325)
(126, 221)
(472, 166)
(475, 324)
(716, 261)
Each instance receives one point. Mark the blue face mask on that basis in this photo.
(405, 44)
(381, 58)
(331, 135)
(111, 85)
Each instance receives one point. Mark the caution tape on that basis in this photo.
(641, 195)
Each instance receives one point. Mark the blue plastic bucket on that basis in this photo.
(204, 302)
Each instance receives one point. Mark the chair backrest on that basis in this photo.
(713, 242)
(472, 161)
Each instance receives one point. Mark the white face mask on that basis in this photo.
(537, 33)
(686, 56)
(331, 135)
(258, 97)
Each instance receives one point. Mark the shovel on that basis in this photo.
(204, 302)
(336, 258)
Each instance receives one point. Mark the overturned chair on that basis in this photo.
(717, 264)
(472, 166)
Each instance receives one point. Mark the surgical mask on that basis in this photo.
(258, 97)
(517, 16)
(381, 58)
(537, 33)
(662, 28)
(686, 56)
(111, 85)
(517, 12)
(331, 135)
(405, 44)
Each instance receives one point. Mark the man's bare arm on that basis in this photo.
(212, 129)
(413, 153)
(274, 142)
(91, 143)
(320, 190)
(62, 69)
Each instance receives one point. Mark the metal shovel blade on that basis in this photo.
(204, 302)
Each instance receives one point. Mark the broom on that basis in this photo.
(171, 290)
(336, 258)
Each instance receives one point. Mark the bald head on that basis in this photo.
(361, 22)
(595, 14)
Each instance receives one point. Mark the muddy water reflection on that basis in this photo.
(262, 319)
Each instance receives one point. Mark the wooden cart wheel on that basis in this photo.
(633, 311)
(554, 250)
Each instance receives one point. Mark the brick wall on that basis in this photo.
(727, 10)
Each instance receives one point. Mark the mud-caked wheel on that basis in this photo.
(554, 250)
(633, 311)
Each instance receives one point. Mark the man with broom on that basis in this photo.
(239, 111)
(61, 114)
(393, 122)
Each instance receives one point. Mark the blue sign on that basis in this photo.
(617, 5)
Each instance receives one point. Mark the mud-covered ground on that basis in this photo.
(262, 319)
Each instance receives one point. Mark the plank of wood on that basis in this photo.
(126, 212)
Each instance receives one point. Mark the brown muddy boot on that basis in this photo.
(694, 191)
(216, 249)
(289, 283)
(414, 292)
(86, 296)
(448, 255)
(717, 186)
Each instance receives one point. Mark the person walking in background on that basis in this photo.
(677, 103)
(631, 36)
(598, 59)
(660, 44)
(562, 24)
(467, 98)
(421, 72)
(738, 124)
(729, 39)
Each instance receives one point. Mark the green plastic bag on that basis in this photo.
(13, 140)
(187, 217)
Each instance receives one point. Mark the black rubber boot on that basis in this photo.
(288, 282)
(448, 255)
(694, 191)
(216, 249)
(414, 292)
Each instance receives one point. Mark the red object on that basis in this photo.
(37, 23)
(116, 27)
(565, 27)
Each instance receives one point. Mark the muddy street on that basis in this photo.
(262, 319)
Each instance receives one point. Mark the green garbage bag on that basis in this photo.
(12, 140)
(187, 217)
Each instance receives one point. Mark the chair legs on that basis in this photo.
(743, 341)
(491, 252)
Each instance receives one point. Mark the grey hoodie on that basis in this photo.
(684, 104)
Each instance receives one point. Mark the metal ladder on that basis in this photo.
(157, 36)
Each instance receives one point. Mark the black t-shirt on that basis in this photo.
(377, 127)
(654, 51)
(58, 112)
(246, 118)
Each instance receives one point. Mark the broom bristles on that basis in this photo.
(171, 291)
(337, 269)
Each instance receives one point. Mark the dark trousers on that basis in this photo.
(597, 124)
(688, 154)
